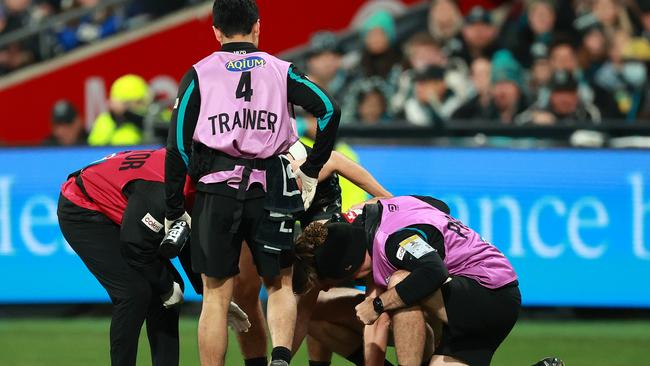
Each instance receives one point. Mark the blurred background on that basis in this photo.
(531, 118)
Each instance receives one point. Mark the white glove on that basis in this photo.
(237, 318)
(308, 188)
(174, 297)
(186, 217)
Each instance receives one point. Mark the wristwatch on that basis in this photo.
(378, 305)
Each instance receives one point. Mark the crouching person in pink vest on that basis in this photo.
(428, 271)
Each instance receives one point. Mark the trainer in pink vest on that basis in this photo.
(466, 254)
(244, 110)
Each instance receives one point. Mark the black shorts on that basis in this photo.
(479, 319)
(219, 225)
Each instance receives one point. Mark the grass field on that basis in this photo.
(84, 342)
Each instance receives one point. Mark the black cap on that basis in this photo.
(63, 112)
(322, 42)
(563, 80)
(432, 72)
(478, 15)
(342, 253)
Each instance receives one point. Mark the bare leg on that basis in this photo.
(334, 326)
(434, 334)
(213, 331)
(325, 338)
(246, 295)
(281, 309)
(434, 306)
(409, 329)
(317, 350)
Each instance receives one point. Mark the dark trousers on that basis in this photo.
(97, 242)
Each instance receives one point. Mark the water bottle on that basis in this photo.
(174, 240)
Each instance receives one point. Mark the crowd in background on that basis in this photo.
(535, 62)
(514, 63)
(64, 36)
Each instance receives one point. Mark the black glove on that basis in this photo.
(175, 239)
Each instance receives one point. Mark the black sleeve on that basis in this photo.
(179, 142)
(141, 232)
(305, 93)
(423, 259)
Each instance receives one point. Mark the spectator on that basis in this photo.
(478, 37)
(540, 74)
(625, 77)
(379, 57)
(481, 79)
(612, 14)
(480, 99)
(94, 26)
(122, 124)
(536, 34)
(564, 56)
(421, 51)
(565, 106)
(372, 108)
(355, 95)
(432, 103)
(594, 46)
(507, 87)
(379, 65)
(324, 64)
(16, 15)
(445, 21)
(505, 98)
(67, 128)
(21, 14)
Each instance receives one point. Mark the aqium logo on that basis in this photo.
(245, 64)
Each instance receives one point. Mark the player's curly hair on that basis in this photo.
(304, 270)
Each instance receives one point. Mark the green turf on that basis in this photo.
(83, 342)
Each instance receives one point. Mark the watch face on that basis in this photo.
(378, 305)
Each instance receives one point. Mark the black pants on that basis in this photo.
(97, 242)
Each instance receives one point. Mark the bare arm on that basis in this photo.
(375, 336)
(327, 170)
(391, 300)
(306, 303)
(352, 171)
(357, 174)
(359, 206)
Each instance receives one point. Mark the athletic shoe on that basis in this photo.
(279, 363)
(550, 361)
